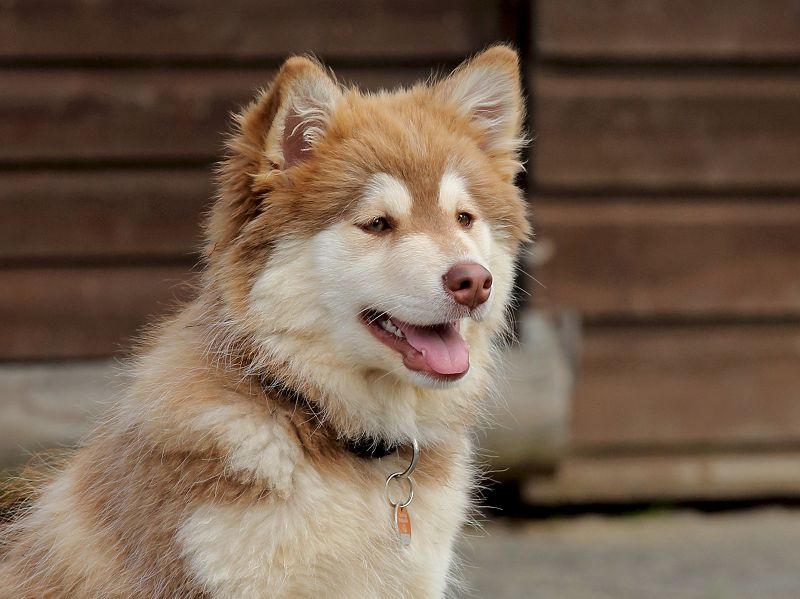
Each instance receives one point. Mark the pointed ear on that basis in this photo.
(275, 132)
(487, 89)
(307, 97)
(280, 128)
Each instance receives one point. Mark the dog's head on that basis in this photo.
(374, 233)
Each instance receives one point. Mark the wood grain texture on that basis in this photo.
(666, 131)
(102, 214)
(625, 479)
(84, 311)
(139, 115)
(687, 385)
(243, 29)
(690, 258)
(46, 406)
(668, 29)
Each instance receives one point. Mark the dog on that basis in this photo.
(302, 428)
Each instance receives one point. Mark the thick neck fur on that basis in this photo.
(216, 351)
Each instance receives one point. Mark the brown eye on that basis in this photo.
(378, 225)
(465, 219)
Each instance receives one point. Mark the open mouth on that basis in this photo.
(437, 350)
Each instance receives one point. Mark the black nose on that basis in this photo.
(470, 284)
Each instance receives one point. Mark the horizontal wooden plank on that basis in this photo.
(52, 405)
(668, 29)
(244, 29)
(82, 312)
(625, 479)
(676, 258)
(530, 428)
(101, 214)
(596, 131)
(135, 115)
(687, 385)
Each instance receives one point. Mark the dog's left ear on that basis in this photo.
(487, 89)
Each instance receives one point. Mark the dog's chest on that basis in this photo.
(331, 538)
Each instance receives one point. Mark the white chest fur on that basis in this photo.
(329, 538)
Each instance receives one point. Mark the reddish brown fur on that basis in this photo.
(411, 135)
(144, 471)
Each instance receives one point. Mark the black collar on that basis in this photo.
(368, 448)
(364, 447)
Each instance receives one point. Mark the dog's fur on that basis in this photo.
(209, 482)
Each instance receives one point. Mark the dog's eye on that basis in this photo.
(378, 225)
(465, 219)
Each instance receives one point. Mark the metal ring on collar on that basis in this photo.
(414, 459)
(409, 496)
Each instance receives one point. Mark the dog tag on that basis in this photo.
(402, 524)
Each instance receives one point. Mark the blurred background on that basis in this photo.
(658, 367)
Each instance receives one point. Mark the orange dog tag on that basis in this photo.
(402, 523)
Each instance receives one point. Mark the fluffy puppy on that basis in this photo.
(357, 276)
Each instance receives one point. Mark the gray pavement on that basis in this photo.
(752, 554)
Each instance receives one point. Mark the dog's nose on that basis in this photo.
(470, 284)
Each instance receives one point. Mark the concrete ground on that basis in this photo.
(752, 554)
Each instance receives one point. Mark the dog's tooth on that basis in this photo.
(387, 325)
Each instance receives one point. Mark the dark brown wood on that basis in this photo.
(718, 476)
(82, 312)
(646, 258)
(700, 386)
(136, 115)
(243, 29)
(668, 29)
(105, 214)
(710, 131)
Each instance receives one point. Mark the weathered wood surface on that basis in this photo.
(530, 413)
(667, 216)
(137, 115)
(78, 312)
(679, 258)
(90, 254)
(104, 214)
(717, 476)
(242, 29)
(48, 406)
(660, 30)
(690, 385)
(666, 131)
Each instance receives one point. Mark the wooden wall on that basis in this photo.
(667, 184)
(665, 179)
(112, 113)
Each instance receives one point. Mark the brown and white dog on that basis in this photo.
(358, 270)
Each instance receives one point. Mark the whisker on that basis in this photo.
(534, 279)
(523, 290)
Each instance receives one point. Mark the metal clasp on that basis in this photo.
(404, 475)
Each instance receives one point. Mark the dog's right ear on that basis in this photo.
(305, 97)
(277, 131)
(285, 121)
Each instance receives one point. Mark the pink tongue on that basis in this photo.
(443, 349)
